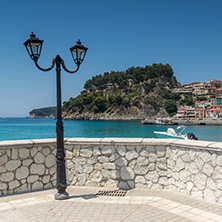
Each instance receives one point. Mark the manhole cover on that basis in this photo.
(114, 193)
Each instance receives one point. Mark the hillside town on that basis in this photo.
(207, 100)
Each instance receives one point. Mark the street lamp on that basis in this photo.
(34, 47)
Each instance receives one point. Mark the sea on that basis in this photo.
(42, 128)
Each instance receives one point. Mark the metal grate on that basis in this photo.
(114, 193)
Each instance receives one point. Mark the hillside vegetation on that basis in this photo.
(133, 94)
(43, 112)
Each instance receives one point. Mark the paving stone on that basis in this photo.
(84, 205)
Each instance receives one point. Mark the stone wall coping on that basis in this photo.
(121, 141)
(83, 141)
(158, 142)
(193, 143)
(26, 143)
(196, 144)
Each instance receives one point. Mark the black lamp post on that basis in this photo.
(34, 47)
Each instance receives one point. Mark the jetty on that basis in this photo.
(178, 121)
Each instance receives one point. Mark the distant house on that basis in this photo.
(195, 83)
(189, 88)
(213, 90)
(186, 112)
(181, 112)
(208, 112)
(216, 110)
(215, 82)
(219, 92)
(216, 100)
(200, 113)
(202, 104)
(190, 112)
(200, 91)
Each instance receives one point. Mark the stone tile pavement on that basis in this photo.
(84, 205)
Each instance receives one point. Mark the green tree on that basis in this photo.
(95, 109)
(88, 84)
(100, 102)
(150, 100)
(170, 106)
(188, 100)
(119, 99)
(111, 99)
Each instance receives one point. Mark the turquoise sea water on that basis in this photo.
(24, 128)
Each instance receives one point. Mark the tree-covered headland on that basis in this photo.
(135, 93)
(43, 112)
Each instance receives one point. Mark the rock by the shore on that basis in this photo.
(129, 117)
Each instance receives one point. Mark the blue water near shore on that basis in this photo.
(24, 128)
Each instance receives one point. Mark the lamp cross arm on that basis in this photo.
(45, 70)
(64, 67)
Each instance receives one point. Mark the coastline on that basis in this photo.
(208, 122)
(105, 117)
(139, 118)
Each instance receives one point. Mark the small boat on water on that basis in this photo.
(176, 134)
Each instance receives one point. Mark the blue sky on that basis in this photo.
(119, 34)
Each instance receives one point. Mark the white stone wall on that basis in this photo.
(27, 166)
(189, 167)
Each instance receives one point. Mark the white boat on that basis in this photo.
(176, 134)
(159, 122)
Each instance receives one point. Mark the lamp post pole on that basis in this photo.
(34, 46)
(60, 154)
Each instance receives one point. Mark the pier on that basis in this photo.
(209, 122)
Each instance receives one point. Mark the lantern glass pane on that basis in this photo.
(80, 54)
(74, 54)
(28, 47)
(35, 48)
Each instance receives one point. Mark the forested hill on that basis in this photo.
(133, 94)
(43, 112)
(137, 74)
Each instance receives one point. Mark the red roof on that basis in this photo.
(214, 80)
(194, 82)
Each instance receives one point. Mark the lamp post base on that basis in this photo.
(61, 196)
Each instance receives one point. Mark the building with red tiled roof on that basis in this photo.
(216, 108)
(214, 80)
(194, 83)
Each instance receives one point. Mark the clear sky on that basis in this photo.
(187, 34)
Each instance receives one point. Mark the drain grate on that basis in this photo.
(114, 193)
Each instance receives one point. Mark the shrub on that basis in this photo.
(171, 106)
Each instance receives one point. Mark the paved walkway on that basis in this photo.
(84, 205)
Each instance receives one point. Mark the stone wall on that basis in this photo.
(27, 165)
(189, 167)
